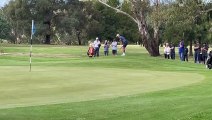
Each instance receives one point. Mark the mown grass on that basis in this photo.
(190, 102)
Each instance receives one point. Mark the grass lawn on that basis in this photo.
(65, 84)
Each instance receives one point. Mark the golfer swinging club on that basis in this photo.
(124, 43)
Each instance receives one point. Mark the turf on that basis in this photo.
(66, 85)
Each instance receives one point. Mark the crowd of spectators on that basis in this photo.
(200, 52)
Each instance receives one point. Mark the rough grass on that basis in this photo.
(66, 85)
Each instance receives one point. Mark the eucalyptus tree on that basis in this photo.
(178, 19)
(148, 28)
(111, 23)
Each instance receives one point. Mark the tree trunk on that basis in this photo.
(48, 38)
(151, 46)
(78, 37)
(150, 42)
(47, 35)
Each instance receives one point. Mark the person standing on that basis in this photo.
(172, 47)
(185, 58)
(181, 50)
(124, 43)
(114, 47)
(200, 58)
(96, 47)
(196, 51)
(204, 52)
(106, 47)
(209, 60)
(167, 51)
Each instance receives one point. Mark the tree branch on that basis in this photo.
(208, 10)
(119, 11)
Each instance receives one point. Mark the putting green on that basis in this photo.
(53, 85)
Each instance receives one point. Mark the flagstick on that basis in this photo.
(30, 55)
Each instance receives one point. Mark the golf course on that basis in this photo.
(65, 84)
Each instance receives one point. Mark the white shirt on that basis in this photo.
(114, 45)
(96, 43)
(167, 50)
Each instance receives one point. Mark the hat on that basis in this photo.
(97, 38)
(117, 35)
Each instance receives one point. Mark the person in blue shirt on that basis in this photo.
(124, 43)
(181, 50)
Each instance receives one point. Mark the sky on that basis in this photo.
(3, 2)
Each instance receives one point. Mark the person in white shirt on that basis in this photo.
(167, 51)
(114, 47)
(96, 47)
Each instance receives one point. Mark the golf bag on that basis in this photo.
(90, 52)
(209, 61)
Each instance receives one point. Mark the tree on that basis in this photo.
(5, 28)
(52, 17)
(66, 21)
(185, 20)
(140, 12)
(18, 15)
(112, 23)
(47, 9)
(80, 22)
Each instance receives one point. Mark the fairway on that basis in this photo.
(54, 85)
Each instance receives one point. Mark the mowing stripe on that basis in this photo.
(54, 85)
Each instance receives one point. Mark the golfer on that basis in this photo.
(124, 43)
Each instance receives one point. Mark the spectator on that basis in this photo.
(172, 47)
(209, 60)
(204, 52)
(185, 58)
(200, 58)
(181, 50)
(114, 47)
(97, 44)
(106, 47)
(196, 51)
(167, 51)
